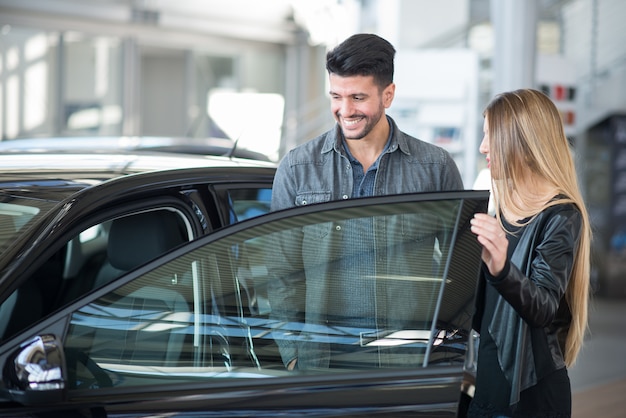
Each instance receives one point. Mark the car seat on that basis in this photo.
(136, 239)
(145, 319)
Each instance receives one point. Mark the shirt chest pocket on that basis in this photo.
(309, 198)
(317, 231)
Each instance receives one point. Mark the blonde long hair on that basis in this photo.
(526, 133)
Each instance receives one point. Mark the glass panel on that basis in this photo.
(27, 78)
(210, 72)
(249, 202)
(90, 260)
(18, 215)
(92, 85)
(373, 286)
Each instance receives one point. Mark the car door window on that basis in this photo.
(244, 301)
(248, 202)
(91, 259)
(16, 215)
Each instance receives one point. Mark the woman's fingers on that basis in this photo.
(493, 239)
(487, 226)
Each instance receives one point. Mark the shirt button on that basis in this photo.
(304, 202)
(338, 227)
(344, 197)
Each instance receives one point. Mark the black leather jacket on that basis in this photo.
(532, 317)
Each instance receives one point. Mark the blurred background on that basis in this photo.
(254, 71)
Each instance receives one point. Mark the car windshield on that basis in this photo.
(247, 300)
(17, 214)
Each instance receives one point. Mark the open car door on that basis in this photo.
(371, 299)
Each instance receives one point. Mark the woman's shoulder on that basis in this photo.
(562, 205)
(561, 214)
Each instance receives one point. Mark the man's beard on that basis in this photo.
(370, 123)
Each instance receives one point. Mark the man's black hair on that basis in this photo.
(363, 54)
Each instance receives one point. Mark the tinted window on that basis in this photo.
(16, 214)
(90, 260)
(238, 304)
(249, 202)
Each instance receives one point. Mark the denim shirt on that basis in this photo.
(364, 182)
(320, 171)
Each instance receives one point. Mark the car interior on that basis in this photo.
(89, 261)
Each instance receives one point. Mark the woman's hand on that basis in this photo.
(493, 239)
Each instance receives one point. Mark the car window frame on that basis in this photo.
(222, 191)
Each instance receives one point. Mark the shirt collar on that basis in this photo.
(354, 160)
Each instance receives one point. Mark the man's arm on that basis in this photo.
(452, 179)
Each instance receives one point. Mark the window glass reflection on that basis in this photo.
(247, 304)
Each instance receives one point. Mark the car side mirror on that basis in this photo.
(36, 372)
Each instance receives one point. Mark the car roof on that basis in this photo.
(26, 163)
(179, 145)
(61, 174)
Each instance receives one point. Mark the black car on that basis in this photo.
(146, 294)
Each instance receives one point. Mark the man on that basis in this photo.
(365, 154)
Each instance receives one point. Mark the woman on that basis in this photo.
(533, 294)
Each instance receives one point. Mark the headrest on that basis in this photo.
(137, 239)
